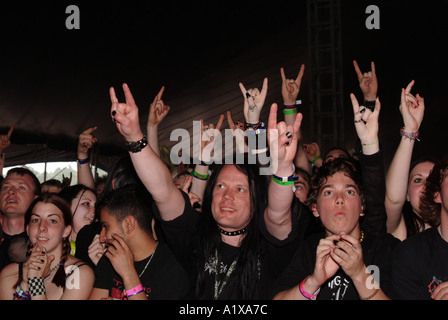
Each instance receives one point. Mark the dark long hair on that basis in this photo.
(415, 224)
(52, 198)
(247, 269)
(431, 210)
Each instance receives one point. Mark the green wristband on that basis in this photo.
(200, 176)
(289, 111)
(315, 159)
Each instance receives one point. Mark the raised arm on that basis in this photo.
(201, 171)
(290, 92)
(157, 112)
(283, 142)
(412, 110)
(86, 141)
(5, 142)
(150, 168)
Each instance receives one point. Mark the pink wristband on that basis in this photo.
(134, 291)
(306, 294)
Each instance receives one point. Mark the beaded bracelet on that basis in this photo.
(21, 294)
(410, 136)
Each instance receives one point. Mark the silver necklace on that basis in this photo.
(149, 261)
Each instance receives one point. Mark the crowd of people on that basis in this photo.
(321, 226)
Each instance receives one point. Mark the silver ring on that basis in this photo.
(251, 108)
(357, 121)
(356, 248)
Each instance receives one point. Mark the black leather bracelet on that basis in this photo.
(137, 146)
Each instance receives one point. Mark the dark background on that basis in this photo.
(54, 82)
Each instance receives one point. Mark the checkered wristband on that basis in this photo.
(37, 287)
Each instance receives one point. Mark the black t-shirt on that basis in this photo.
(163, 279)
(273, 258)
(420, 264)
(377, 251)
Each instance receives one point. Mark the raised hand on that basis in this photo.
(412, 109)
(86, 141)
(125, 115)
(238, 129)
(208, 134)
(368, 81)
(5, 139)
(158, 110)
(285, 137)
(366, 121)
(254, 101)
(312, 150)
(291, 87)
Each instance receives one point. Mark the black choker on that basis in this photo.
(233, 233)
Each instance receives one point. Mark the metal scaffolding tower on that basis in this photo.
(326, 76)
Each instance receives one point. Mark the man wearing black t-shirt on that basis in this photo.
(134, 266)
(19, 188)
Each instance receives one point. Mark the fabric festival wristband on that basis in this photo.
(284, 181)
(289, 111)
(306, 294)
(315, 159)
(132, 292)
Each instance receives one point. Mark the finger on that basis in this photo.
(128, 95)
(230, 120)
(409, 87)
(90, 130)
(160, 94)
(243, 89)
(272, 120)
(187, 183)
(220, 121)
(355, 104)
(372, 68)
(300, 76)
(264, 89)
(282, 73)
(10, 131)
(297, 123)
(357, 70)
(113, 96)
(421, 100)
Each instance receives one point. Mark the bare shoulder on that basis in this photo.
(8, 279)
(73, 263)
